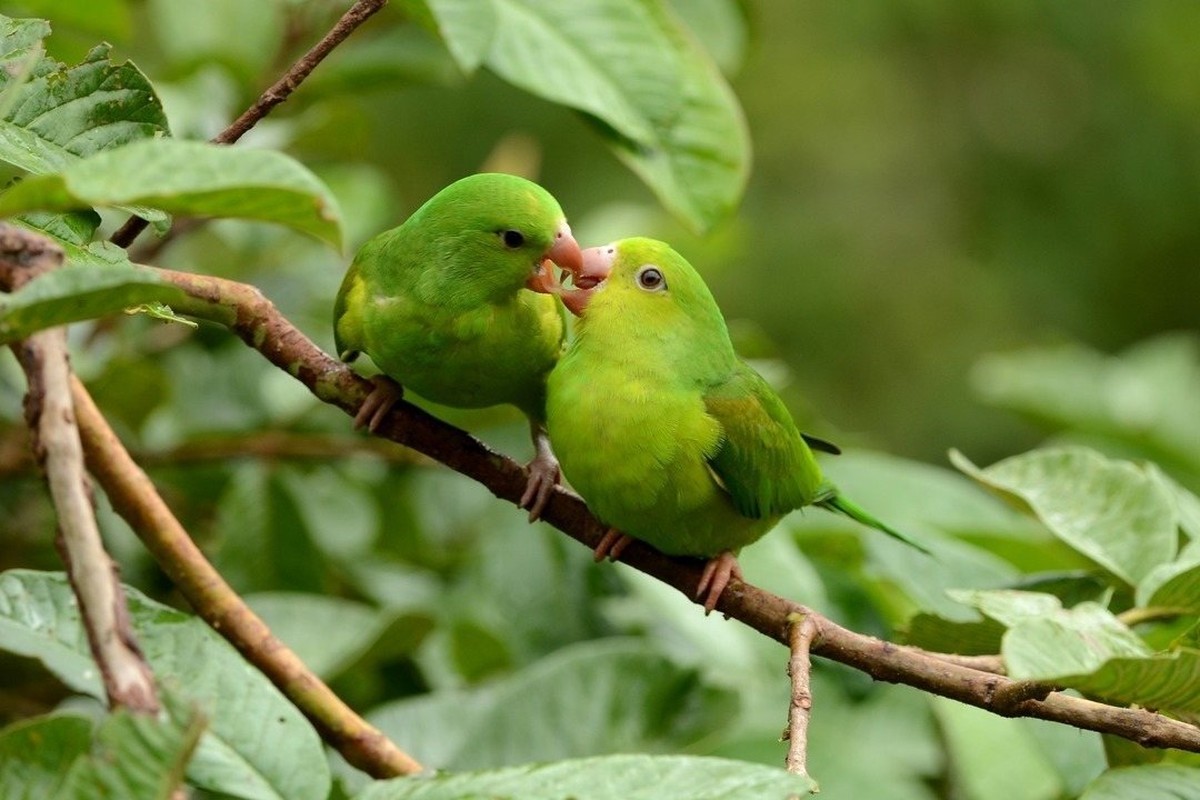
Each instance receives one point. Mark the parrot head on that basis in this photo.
(646, 285)
(506, 222)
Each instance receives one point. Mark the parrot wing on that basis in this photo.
(762, 460)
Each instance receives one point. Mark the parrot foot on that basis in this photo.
(379, 402)
(612, 544)
(544, 474)
(715, 578)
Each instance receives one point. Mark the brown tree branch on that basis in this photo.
(134, 497)
(54, 437)
(801, 631)
(279, 91)
(255, 319)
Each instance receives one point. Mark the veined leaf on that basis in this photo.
(656, 95)
(130, 756)
(1116, 513)
(191, 178)
(588, 705)
(57, 114)
(1175, 585)
(76, 293)
(258, 746)
(1088, 649)
(36, 754)
(623, 777)
(1149, 782)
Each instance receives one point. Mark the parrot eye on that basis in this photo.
(512, 239)
(651, 278)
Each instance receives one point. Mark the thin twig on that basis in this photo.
(801, 631)
(134, 497)
(50, 415)
(256, 321)
(276, 94)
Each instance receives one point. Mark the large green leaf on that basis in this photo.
(330, 633)
(659, 99)
(622, 777)
(984, 748)
(191, 178)
(1118, 514)
(257, 746)
(1175, 585)
(699, 159)
(77, 293)
(135, 757)
(1088, 649)
(593, 698)
(130, 756)
(1150, 782)
(54, 114)
(36, 754)
(1148, 394)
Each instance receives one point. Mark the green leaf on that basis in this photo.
(74, 293)
(257, 746)
(593, 698)
(658, 98)
(467, 28)
(1175, 585)
(719, 25)
(327, 633)
(699, 159)
(622, 777)
(984, 748)
(135, 757)
(1115, 512)
(1148, 394)
(1151, 782)
(1088, 649)
(36, 754)
(129, 756)
(190, 178)
(59, 113)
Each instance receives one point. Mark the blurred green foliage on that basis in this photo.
(933, 182)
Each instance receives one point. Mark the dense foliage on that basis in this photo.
(933, 182)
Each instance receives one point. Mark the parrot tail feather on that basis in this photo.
(859, 514)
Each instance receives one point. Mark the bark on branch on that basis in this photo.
(255, 319)
(54, 437)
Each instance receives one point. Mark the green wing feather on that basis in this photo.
(762, 460)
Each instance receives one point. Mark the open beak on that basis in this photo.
(564, 253)
(594, 269)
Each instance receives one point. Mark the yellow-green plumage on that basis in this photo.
(667, 434)
(437, 303)
(440, 302)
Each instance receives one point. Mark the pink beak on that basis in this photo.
(593, 271)
(565, 253)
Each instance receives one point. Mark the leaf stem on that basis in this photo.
(279, 91)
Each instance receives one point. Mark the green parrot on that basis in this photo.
(667, 434)
(439, 304)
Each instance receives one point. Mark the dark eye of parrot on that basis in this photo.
(651, 279)
(512, 239)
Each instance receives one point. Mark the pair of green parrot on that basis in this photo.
(664, 431)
